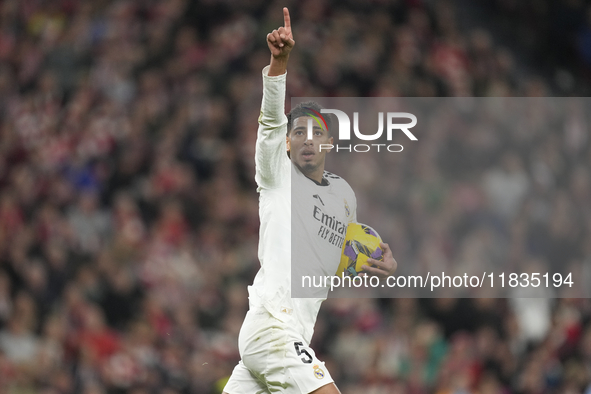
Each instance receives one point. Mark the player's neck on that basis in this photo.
(316, 175)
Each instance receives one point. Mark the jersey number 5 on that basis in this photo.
(299, 351)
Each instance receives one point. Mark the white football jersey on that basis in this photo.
(318, 216)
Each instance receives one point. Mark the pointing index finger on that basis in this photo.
(286, 20)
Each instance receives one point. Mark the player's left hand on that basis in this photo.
(383, 268)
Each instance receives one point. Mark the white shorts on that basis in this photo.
(275, 359)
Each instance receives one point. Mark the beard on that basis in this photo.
(307, 168)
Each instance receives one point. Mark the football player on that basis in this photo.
(295, 193)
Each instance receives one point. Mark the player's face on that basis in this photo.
(304, 152)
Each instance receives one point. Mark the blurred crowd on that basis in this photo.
(556, 33)
(129, 216)
(490, 186)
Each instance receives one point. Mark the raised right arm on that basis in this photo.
(272, 163)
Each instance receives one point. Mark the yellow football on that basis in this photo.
(361, 242)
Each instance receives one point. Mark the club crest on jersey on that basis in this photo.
(347, 210)
(319, 373)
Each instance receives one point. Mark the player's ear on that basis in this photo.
(331, 141)
(288, 143)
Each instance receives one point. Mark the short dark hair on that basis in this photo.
(302, 110)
